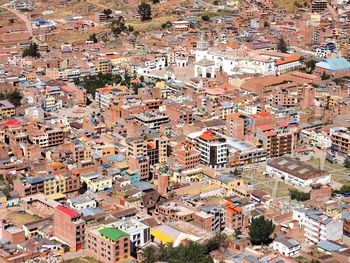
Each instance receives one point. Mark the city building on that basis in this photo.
(295, 172)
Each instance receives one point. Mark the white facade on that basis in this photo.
(139, 233)
(81, 202)
(229, 62)
(288, 66)
(286, 247)
(318, 227)
(294, 180)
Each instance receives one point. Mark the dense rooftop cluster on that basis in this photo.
(174, 131)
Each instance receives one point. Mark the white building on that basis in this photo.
(81, 202)
(286, 246)
(318, 226)
(212, 146)
(139, 233)
(242, 60)
(295, 172)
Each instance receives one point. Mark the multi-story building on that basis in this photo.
(319, 5)
(318, 227)
(212, 147)
(277, 140)
(138, 232)
(341, 142)
(151, 120)
(141, 164)
(179, 114)
(7, 109)
(47, 137)
(286, 246)
(69, 227)
(107, 244)
(103, 66)
(218, 214)
(48, 184)
(96, 182)
(187, 158)
(170, 211)
(296, 172)
(152, 146)
(234, 215)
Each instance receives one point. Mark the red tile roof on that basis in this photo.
(68, 211)
(265, 127)
(282, 123)
(270, 133)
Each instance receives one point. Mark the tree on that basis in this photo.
(325, 76)
(31, 51)
(344, 189)
(118, 26)
(107, 12)
(260, 231)
(298, 195)
(215, 2)
(145, 11)
(205, 18)
(282, 45)
(15, 97)
(310, 65)
(167, 24)
(11, 20)
(93, 38)
(155, 2)
(266, 23)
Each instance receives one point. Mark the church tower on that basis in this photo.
(202, 49)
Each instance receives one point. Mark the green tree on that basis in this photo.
(205, 18)
(107, 12)
(167, 24)
(344, 189)
(93, 38)
(118, 26)
(282, 45)
(215, 2)
(11, 20)
(155, 2)
(31, 51)
(15, 97)
(260, 231)
(145, 11)
(298, 195)
(310, 65)
(325, 76)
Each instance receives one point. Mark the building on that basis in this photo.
(96, 182)
(103, 66)
(336, 67)
(234, 215)
(139, 233)
(7, 109)
(318, 227)
(186, 157)
(286, 246)
(296, 172)
(212, 147)
(277, 140)
(217, 215)
(319, 6)
(152, 146)
(151, 120)
(106, 244)
(69, 227)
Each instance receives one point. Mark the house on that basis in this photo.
(286, 246)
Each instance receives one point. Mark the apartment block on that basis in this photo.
(106, 244)
(69, 227)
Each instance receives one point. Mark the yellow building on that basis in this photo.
(54, 185)
(96, 182)
(7, 108)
